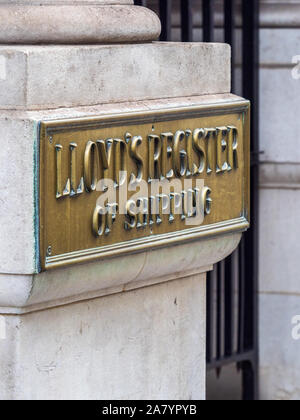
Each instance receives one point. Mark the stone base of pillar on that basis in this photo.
(143, 344)
(132, 327)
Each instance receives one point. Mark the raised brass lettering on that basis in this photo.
(155, 149)
(134, 146)
(168, 176)
(210, 138)
(91, 165)
(232, 148)
(166, 166)
(199, 146)
(179, 154)
(222, 149)
(60, 190)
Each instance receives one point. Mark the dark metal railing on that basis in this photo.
(232, 308)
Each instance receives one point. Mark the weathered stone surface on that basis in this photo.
(279, 239)
(17, 203)
(279, 351)
(68, 76)
(280, 176)
(27, 293)
(76, 2)
(279, 113)
(77, 24)
(144, 344)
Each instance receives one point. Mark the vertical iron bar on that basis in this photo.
(220, 309)
(165, 12)
(229, 306)
(210, 317)
(208, 20)
(186, 20)
(241, 299)
(249, 376)
(222, 273)
(250, 10)
(218, 323)
(250, 91)
(235, 277)
(140, 3)
(229, 29)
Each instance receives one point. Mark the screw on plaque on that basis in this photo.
(49, 251)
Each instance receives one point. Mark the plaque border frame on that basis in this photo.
(49, 127)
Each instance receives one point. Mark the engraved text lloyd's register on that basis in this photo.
(124, 183)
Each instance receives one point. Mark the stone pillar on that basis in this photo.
(121, 324)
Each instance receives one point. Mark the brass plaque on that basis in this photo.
(123, 183)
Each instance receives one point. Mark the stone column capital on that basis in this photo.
(76, 22)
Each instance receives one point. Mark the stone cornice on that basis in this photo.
(21, 294)
(77, 23)
(280, 15)
(64, 2)
(276, 175)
